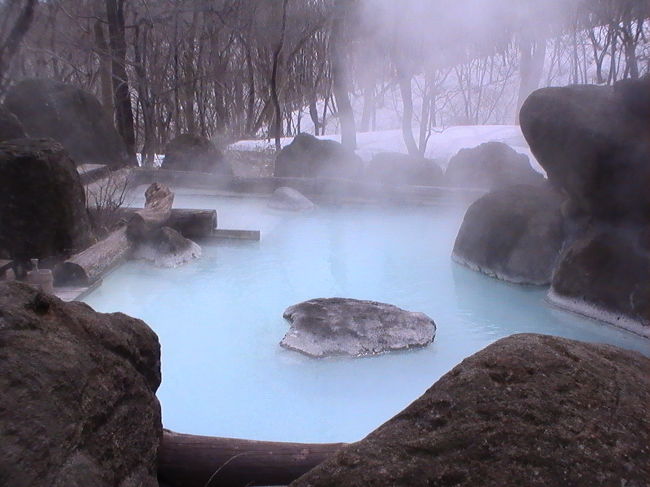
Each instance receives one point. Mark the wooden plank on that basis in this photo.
(222, 233)
(200, 461)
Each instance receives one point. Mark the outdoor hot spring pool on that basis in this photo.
(219, 318)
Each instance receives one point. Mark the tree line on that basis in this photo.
(247, 68)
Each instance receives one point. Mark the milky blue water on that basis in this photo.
(219, 318)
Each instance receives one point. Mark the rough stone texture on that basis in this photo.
(10, 126)
(78, 405)
(195, 153)
(594, 144)
(167, 248)
(42, 203)
(492, 165)
(339, 326)
(69, 115)
(310, 157)
(289, 199)
(514, 234)
(393, 168)
(528, 410)
(605, 272)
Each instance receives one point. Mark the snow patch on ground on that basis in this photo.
(442, 146)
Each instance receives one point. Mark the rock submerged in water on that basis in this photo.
(339, 326)
(289, 199)
(167, 248)
(514, 234)
(528, 410)
(78, 405)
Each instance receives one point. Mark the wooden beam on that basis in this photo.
(205, 461)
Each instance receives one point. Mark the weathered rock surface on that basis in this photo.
(195, 153)
(289, 199)
(606, 274)
(593, 142)
(42, 203)
(10, 126)
(393, 168)
(167, 248)
(514, 234)
(492, 165)
(78, 404)
(339, 326)
(528, 410)
(69, 115)
(309, 157)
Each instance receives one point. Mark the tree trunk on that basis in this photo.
(121, 92)
(11, 45)
(277, 57)
(201, 461)
(340, 81)
(407, 116)
(104, 55)
(531, 67)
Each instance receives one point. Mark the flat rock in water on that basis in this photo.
(289, 199)
(529, 410)
(340, 326)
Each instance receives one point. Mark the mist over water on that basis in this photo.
(219, 319)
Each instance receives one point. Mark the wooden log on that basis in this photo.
(90, 265)
(204, 461)
(157, 210)
(223, 233)
(193, 223)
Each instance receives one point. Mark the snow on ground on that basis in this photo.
(442, 145)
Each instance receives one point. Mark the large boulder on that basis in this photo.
(514, 234)
(289, 199)
(605, 273)
(78, 404)
(195, 153)
(528, 410)
(393, 168)
(593, 143)
(42, 203)
(490, 166)
(339, 326)
(309, 157)
(69, 115)
(10, 126)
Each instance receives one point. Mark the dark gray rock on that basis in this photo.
(42, 203)
(289, 199)
(167, 248)
(594, 145)
(78, 404)
(605, 274)
(528, 410)
(339, 326)
(514, 234)
(492, 165)
(393, 168)
(10, 126)
(309, 157)
(69, 115)
(195, 153)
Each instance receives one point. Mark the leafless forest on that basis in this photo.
(238, 69)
